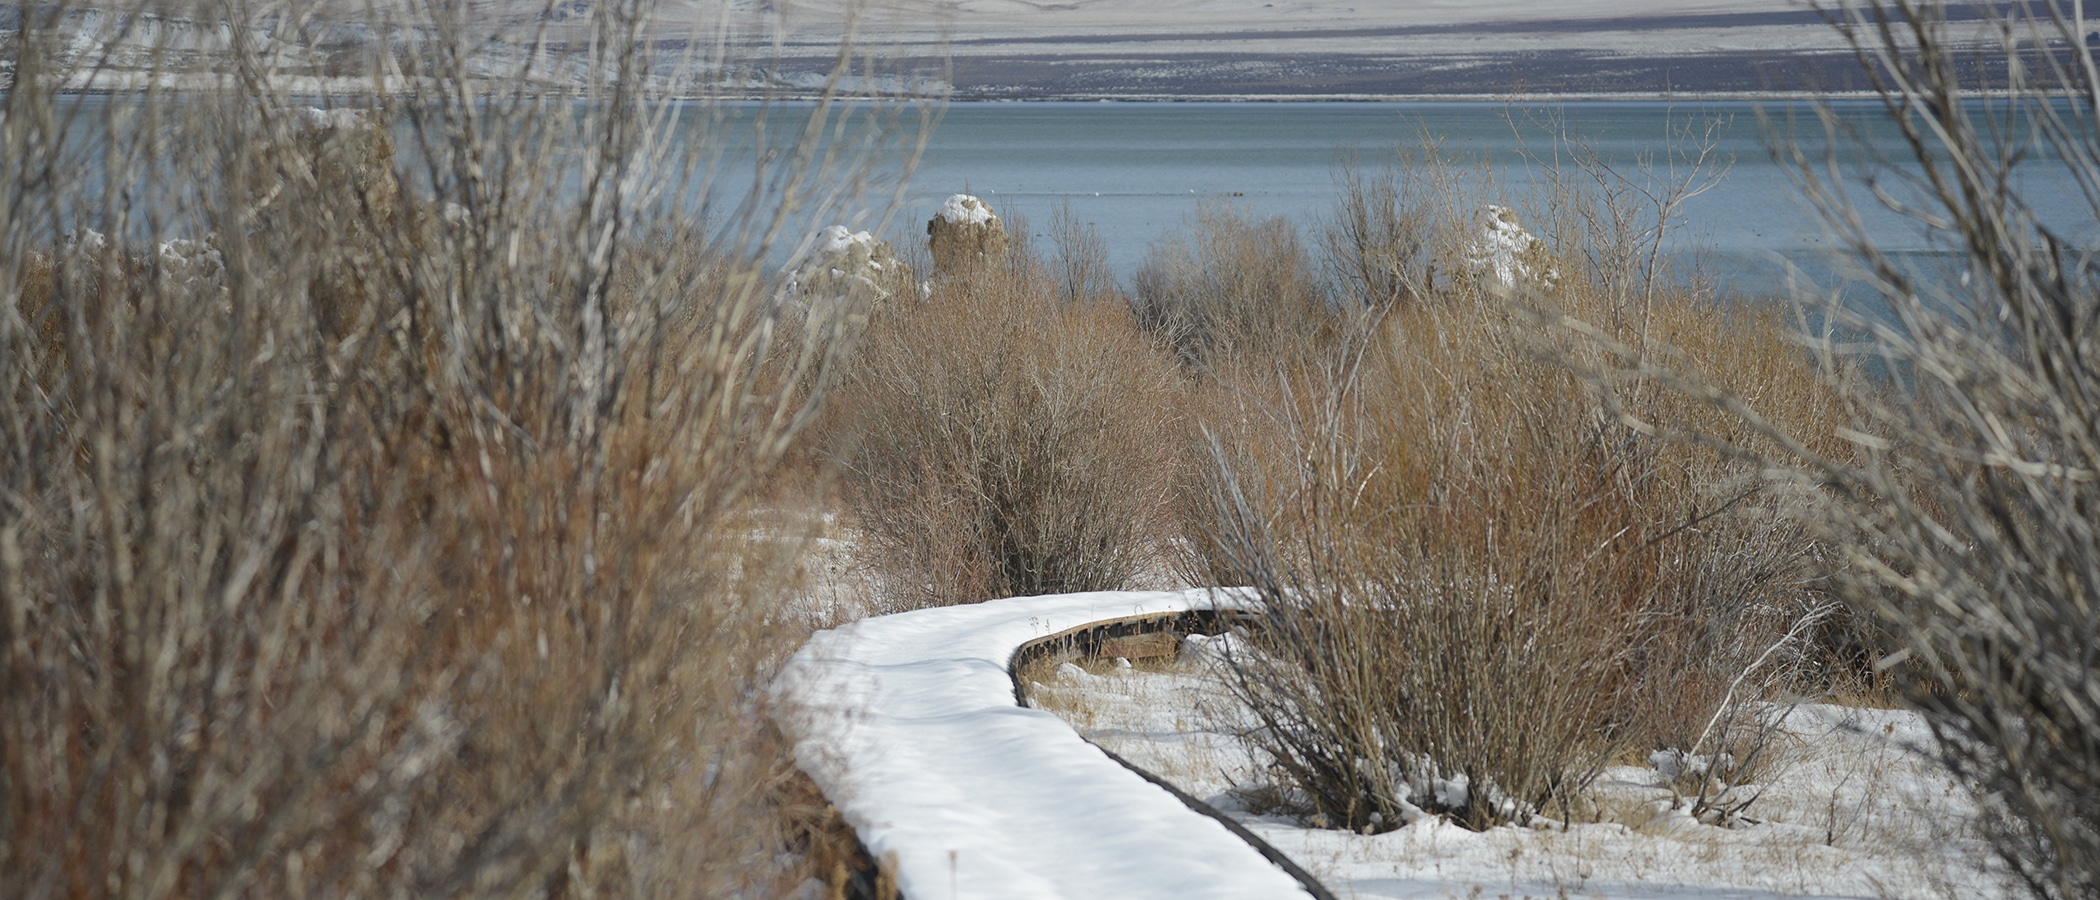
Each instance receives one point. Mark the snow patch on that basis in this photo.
(839, 239)
(843, 263)
(325, 119)
(1208, 650)
(191, 262)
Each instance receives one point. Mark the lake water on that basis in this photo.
(1137, 170)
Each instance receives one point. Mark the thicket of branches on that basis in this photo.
(1963, 506)
(369, 482)
(1008, 435)
(1480, 585)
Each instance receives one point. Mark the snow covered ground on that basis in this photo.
(908, 723)
(1846, 807)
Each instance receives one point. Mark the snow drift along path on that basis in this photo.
(908, 723)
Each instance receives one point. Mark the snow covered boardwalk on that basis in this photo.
(908, 723)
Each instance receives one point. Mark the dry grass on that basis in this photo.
(404, 553)
(832, 852)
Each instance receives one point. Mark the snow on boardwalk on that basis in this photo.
(909, 725)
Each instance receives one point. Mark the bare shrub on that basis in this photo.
(396, 553)
(1006, 443)
(1618, 215)
(1379, 242)
(1232, 286)
(1482, 584)
(1423, 224)
(1080, 262)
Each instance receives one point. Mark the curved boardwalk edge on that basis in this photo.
(909, 725)
(1087, 639)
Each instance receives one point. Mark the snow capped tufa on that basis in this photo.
(963, 209)
(964, 235)
(1506, 252)
(844, 264)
